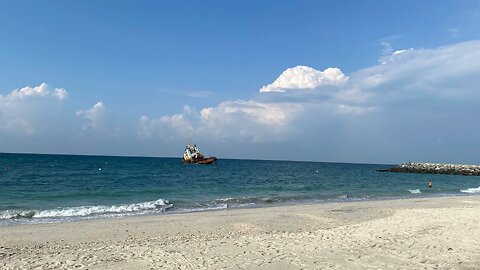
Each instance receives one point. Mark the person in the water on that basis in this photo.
(430, 183)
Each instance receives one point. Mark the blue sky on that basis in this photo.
(142, 62)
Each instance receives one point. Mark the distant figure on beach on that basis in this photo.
(429, 183)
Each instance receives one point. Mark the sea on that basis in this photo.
(38, 188)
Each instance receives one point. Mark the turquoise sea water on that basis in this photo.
(50, 188)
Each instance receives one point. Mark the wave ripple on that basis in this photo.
(85, 211)
(471, 190)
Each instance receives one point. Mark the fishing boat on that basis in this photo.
(193, 155)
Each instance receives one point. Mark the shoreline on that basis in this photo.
(166, 212)
(439, 232)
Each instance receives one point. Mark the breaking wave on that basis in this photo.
(86, 211)
(414, 191)
(471, 190)
(257, 200)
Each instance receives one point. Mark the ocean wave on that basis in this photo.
(201, 209)
(257, 200)
(254, 201)
(471, 190)
(414, 191)
(243, 200)
(84, 211)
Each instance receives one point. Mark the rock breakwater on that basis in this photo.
(435, 168)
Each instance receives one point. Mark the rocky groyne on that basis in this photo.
(435, 168)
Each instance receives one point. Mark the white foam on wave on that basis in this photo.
(201, 209)
(471, 190)
(83, 211)
(414, 191)
(224, 199)
(8, 214)
(247, 200)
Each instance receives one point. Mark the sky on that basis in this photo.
(334, 81)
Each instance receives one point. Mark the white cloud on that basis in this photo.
(379, 110)
(265, 113)
(249, 120)
(169, 127)
(60, 93)
(94, 115)
(38, 91)
(387, 44)
(27, 109)
(303, 77)
(397, 55)
(41, 90)
(439, 73)
(392, 111)
(231, 120)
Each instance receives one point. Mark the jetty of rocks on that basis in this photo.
(435, 168)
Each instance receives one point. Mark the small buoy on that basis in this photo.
(99, 169)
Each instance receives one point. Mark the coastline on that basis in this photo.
(164, 208)
(437, 232)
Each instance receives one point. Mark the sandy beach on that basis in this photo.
(426, 233)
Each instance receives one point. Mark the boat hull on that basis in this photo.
(208, 160)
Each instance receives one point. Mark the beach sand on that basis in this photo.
(426, 233)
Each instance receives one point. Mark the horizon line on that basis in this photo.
(179, 157)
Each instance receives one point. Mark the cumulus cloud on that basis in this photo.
(60, 93)
(93, 116)
(264, 113)
(231, 120)
(24, 110)
(38, 91)
(169, 127)
(303, 77)
(398, 109)
(402, 101)
(249, 120)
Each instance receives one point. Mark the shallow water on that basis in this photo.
(50, 188)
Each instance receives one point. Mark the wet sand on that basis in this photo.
(425, 233)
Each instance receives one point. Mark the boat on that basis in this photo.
(193, 156)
